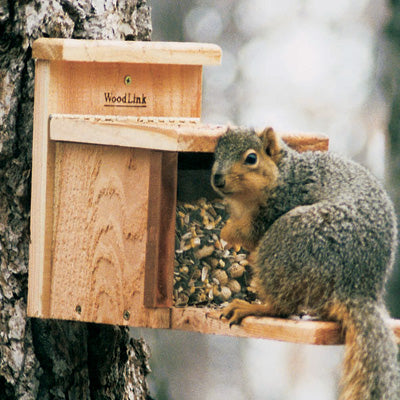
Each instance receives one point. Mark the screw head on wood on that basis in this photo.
(128, 80)
(78, 309)
(127, 315)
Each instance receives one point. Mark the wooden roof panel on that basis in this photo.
(126, 51)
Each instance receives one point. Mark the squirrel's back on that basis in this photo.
(323, 232)
(346, 209)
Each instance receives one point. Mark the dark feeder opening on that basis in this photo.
(206, 272)
(194, 172)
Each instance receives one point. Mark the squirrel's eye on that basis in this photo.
(251, 159)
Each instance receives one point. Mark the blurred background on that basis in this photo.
(300, 66)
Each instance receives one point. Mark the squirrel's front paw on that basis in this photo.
(239, 309)
(234, 311)
(227, 234)
(231, 237)
(237, 237)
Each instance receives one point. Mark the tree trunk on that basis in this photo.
(53, 359)
(390, 82)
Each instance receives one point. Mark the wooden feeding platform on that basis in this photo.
(111, 121)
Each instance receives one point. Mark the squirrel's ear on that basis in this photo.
(271, 143)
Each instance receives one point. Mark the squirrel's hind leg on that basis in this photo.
(239, 309)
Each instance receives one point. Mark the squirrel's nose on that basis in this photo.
(219, 181)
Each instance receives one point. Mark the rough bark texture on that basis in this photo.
(390, 81)
(52, 359)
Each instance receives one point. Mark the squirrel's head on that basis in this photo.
(246, 163)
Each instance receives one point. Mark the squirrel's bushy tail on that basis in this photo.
(371, 370)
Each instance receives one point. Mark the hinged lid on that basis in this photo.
(127, 52)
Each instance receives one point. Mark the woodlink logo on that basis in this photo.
(127, 99)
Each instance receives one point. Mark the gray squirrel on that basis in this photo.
(323, 236)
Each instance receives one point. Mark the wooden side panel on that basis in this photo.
(42, 199)
(153, 90)
(100, 236)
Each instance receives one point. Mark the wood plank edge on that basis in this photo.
(118, 133)
(205, 320)
(42, 51)
(186, 136)
(306, 141)
(38, 277)
(156, 318)
(79, 50)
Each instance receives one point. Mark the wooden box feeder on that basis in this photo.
(110, 120)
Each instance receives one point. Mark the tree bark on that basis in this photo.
(42, 359)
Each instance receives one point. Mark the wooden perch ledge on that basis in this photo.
(206, 320)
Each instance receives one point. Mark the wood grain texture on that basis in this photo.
(162, 90)
(100, 235)
(158, 133)
(84, 293)
(127, 51)
(206, 320)
(155, 90)
(41, 199)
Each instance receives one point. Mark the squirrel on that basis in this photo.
(322, 234)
